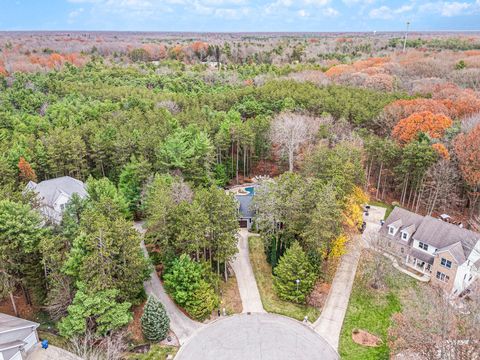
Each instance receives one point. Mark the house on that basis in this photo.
(54, 194)
(17, 337)
(447, 253)
(245, 213)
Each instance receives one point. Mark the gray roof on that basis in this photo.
(440, 234)
(422, 255)
(12, 323)
(245, 208)
(456, 250)
(402, 219)
(434, 232)
(50, 190)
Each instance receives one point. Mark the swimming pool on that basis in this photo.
(250, 190)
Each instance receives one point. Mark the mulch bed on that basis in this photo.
(364, 338)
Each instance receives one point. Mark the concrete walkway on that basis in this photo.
(52, 353)
(247, 284)
(180, 324)
(329, 324)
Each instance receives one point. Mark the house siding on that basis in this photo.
(451, 273)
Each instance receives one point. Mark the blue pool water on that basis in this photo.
(251, 190)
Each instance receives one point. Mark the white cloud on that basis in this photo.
(383, 13)
(316, 2)
(303, 13)
(330, 12)
(387, 13)
(451, 8)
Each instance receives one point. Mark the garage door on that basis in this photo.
(243, 223)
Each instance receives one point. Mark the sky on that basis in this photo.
(239, 15)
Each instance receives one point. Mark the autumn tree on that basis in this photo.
(25, 171)
(291, 131)
(424, 122)
(467, 150)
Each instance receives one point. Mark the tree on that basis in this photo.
(424, 122)
(294, 266)
(94, 310)
(326, 223)
(186, 283)
(106, 255)
(20, 236)
(189, 151)
(290, 131)
(341, 166)
(132, 179)
(25, 171)
(155, 321)
(105, 197)
(468, 154)
(433, 328)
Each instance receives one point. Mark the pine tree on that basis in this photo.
(293, 266)
(155, 321)
(203, 301)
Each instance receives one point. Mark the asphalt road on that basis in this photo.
(259, 336)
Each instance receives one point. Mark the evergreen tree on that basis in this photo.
(20, 236)
(132, 178)
(155, 321)
(294, 266)
(203, 301)
(98, 311)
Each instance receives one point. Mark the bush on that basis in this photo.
(187, 283)
(293, 266)
(155, 321)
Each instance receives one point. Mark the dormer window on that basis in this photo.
(404, 235)
(423, 246)
(391, 230)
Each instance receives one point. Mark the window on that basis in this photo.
(391, 230)
(423, 246)
(389, 244)
(402, 250)
(404, 236)
(446, 263)
(442, 277)
(62, 206)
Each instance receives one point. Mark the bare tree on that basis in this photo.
(90, 347)
(290, 131)
(440, 187)
(434, 327)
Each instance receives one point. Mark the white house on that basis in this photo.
(17, 337)
(54, 194)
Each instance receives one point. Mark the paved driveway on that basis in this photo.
(256, 337)
(52, 353)
(329, 324)
(247, 285)
(180, 324)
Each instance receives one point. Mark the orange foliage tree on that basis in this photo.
(25, 171)
(467, 150)
(441, 150)
(432, 124)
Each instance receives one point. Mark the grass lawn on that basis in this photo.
(371, 310)
(389, 207)
(157, 352)
(263, 275)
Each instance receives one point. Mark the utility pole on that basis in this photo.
(405, 40)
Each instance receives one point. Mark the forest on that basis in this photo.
(158, 125)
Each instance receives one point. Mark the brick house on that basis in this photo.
(447, 253)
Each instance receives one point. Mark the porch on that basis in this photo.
(419, 261)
